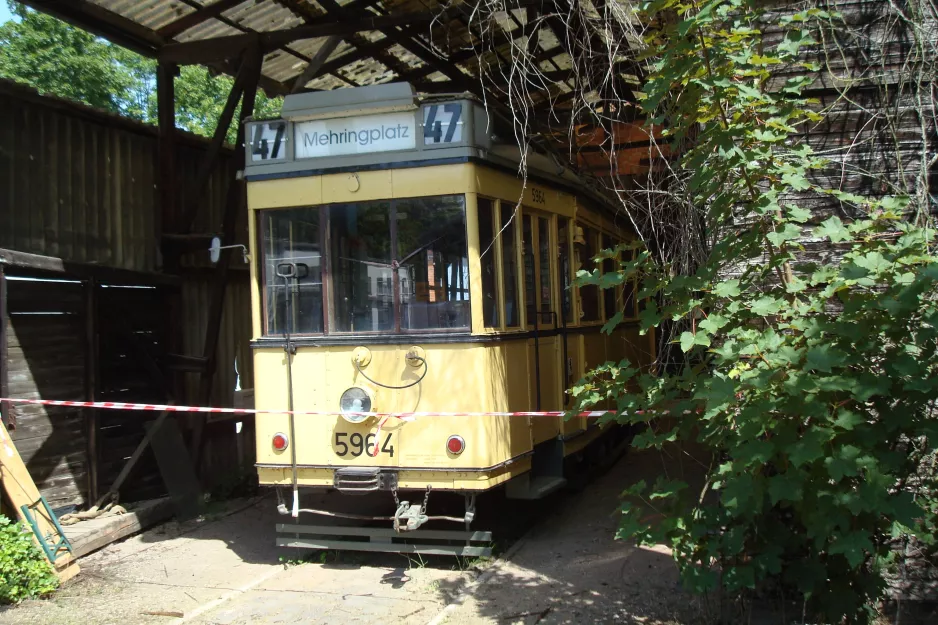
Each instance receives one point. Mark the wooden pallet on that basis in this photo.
(32, 509)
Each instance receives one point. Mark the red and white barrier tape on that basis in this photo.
(113, 405)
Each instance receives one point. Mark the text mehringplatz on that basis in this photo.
(355, 135)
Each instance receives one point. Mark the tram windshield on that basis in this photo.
(391, 266)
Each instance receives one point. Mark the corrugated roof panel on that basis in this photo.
(405, 56)
(150, 13)
(266, 15)
(451, 37)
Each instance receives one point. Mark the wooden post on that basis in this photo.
(234, 202)
(91, 384)
(6, 409)
(210, 159)
(166, 116)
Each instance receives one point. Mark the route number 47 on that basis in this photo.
(442, 123)
(267, 142)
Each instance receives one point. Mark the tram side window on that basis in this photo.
(434, 263)
(611, 303)
(628, 290)
(361, 267)
(589, 295)
(543, 246)
(488, 264)
(509, 265)
(530, 287)
(563, 256)
(293, 236)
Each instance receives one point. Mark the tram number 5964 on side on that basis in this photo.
(356, 444)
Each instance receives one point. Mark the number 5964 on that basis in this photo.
(356, 444)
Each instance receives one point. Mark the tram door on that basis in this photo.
(542, 309)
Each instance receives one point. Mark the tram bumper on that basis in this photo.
(355, 532)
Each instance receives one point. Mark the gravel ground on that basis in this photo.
(225, 570)
(569, 569)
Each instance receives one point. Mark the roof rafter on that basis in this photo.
(311, 16)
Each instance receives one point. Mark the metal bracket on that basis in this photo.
(48, 544)
(409, 517)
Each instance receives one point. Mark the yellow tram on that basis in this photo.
(400, 265)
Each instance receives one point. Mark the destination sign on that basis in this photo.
(355, 135)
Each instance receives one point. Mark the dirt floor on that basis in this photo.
(224, 570)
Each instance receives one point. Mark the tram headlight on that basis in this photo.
(355, 400)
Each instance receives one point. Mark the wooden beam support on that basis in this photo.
(234, 202)
(220, 48)
(132, 461)
(166, 123)
(100, 21)
(13, 259)
(6, 409)
(91, 384)
(332, 9)
(315, 15)
(210, 158)
(315, 63)
(198, 16)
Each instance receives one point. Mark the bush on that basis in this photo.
(809, 378)
(24, 571)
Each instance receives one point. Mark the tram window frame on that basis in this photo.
(541, 259)
(510, 233)
(629, 290)
(327, 268)
(565, 278)
(263, 232)
(611, 298)
(489, 263)
(585, 253)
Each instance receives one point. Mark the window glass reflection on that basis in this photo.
(543, 246)
(610, 301)
(362, 279)
(563, 257)
(433, 263)
(487, 263)
(509, 265)
(589, 295)
(293, 237)
(530, 288)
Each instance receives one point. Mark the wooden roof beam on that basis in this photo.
(196, 17)
(315, 63)
(333, 10)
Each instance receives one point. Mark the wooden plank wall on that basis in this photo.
(79, 184)
(46, 359)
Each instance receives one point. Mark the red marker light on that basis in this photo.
(280, 441)
(455, 444)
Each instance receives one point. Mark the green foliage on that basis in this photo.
(24, 571)
(59, 59)
(810, 387)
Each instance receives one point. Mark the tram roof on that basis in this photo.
(434, 45)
